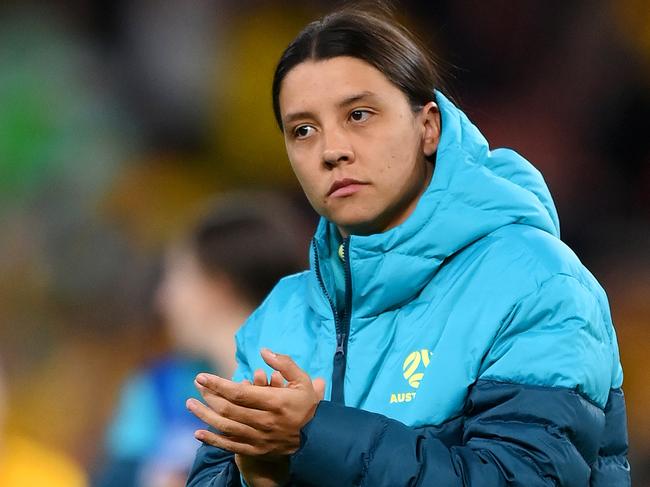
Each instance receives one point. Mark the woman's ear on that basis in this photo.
(431, 128)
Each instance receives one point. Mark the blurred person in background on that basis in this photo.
(212, 280)
(27, 463)
(463, 342)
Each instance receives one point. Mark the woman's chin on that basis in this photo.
(356, 225)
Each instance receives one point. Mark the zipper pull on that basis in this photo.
(339, 344)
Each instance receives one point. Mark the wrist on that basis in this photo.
(263, 471)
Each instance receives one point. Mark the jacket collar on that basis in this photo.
(473, 192)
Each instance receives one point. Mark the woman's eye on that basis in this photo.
(359, 115)
(302, 131)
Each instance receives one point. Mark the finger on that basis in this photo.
(259, 378)
(286, 366)
(242, 394)
(226, 443)
(276, 379)
(319, 387)
(245, 381)
(206, 380)
(226, 426)
(255, 418)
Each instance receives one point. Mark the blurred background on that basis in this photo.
(120, 119)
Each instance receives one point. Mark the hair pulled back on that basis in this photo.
(372, 35)
(255, 238)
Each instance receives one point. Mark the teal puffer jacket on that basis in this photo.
(473, 348)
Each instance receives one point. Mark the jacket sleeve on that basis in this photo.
(214, 467)
(514, 435)
(541, 413)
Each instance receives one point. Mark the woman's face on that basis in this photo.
(184, 298)
(355, 144)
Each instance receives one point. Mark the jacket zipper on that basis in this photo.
(342, 326)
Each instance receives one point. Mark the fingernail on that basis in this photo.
(202, 379)
(272, 354)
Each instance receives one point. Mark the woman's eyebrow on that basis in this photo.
(295, 116)
(349, 100)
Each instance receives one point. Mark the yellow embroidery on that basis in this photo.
(414, 362)
(411, 364)
(402, 397)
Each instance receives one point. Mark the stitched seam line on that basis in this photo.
(371, 453)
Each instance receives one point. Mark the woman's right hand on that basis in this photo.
(261, 471)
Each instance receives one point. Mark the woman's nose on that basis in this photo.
(337, 151)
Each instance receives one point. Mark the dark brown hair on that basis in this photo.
(253, 238)
(369, 33)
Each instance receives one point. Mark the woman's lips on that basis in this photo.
(345, 187)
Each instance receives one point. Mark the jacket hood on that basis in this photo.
(473, 192)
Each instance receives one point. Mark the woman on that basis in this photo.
(444, 335)
(212, 281)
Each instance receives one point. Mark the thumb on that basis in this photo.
(286, 366)
(319, 387)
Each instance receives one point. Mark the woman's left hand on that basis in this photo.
(257, 420)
